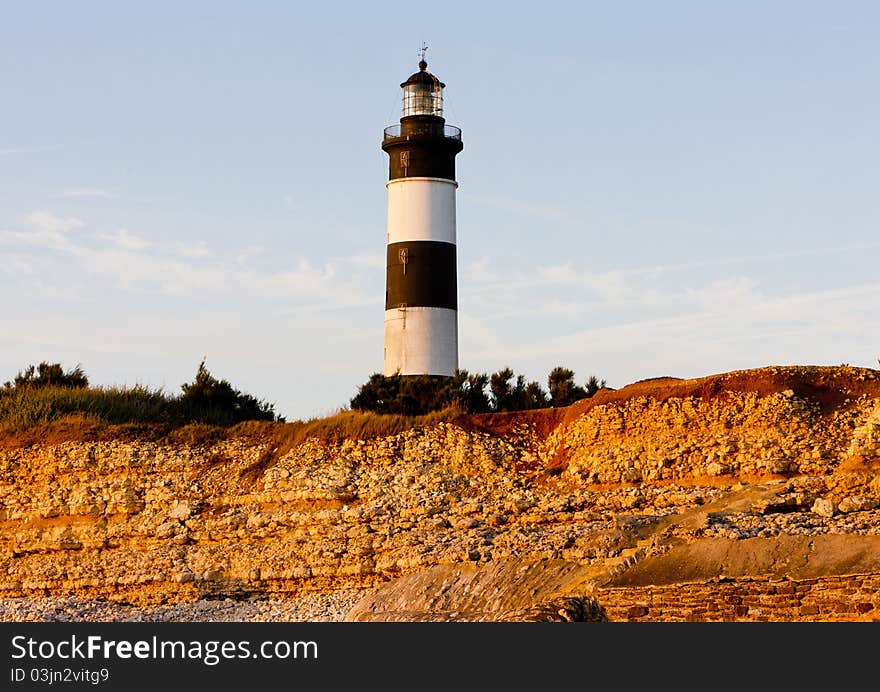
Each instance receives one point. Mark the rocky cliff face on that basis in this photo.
(508, 516)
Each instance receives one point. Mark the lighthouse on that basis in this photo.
(421, 293)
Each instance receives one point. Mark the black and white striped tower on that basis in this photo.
(421, 294)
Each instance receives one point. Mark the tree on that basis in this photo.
(378, 394)
(503, 398)
(472, 396)
(593, 385)
(563, 391)
(535, 396)
(50, 375)
(216, 401)
(410, 395)
(421, 394)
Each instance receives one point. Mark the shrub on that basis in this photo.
(471, 390)
(520, 396)
(564, 391)
(49, 375)
(47, 393)
(416, 395)
(209, 400)
(593, 385)
(413, 395)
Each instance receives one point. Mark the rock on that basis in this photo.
(824, 507)
(181, 511)
(632, 476)
(168, 529)
(716, 469)
(636, 611)
(857, 503)
(779, 466)
(466, 523)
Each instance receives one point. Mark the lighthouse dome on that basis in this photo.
(423, 77)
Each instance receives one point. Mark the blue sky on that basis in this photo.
(646, 189)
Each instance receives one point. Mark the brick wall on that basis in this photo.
(753, 599)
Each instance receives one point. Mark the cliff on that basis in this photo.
(748, 495)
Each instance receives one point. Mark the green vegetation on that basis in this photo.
(209, 400)
(419, 395)
(46, 402)
(46, 393)
(413, 395)
(46, 375)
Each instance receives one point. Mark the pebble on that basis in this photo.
(316, 607)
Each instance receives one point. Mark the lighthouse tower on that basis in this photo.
(421, 294)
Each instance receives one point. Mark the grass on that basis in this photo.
(343, 425)
(362, 425)
(46, 415)
(21, 407)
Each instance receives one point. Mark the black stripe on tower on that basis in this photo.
(421, 273)
(421, 149)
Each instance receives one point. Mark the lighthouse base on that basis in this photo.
(421, 341)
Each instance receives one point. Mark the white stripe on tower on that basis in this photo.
(421, 209)
(421, 341)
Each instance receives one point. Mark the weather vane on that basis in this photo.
(423, 50)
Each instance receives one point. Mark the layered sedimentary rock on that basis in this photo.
(655, 473)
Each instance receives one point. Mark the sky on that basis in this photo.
(646, 189)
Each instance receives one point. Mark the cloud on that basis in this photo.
(635, 323)
(248, 253)
(671, 323)
(135, 264)
(155, 272)
(125, 240)
(86, 192)
(46, 222)
(28, 150)
(631, 320)
(536, 286)
(17, 264)
(290, 202)
(722, 293)
(45, 230)
(516, 206)
(373, 261)
(199, 249)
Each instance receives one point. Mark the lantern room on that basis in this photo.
(423, 93)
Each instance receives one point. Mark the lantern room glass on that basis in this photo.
(423, 99)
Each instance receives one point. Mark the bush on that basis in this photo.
(46, 393)
(416, 395)
(515, 397)
(471, 390)
(413, 395)
(209, 400)
(49, 375)
(564, 391)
